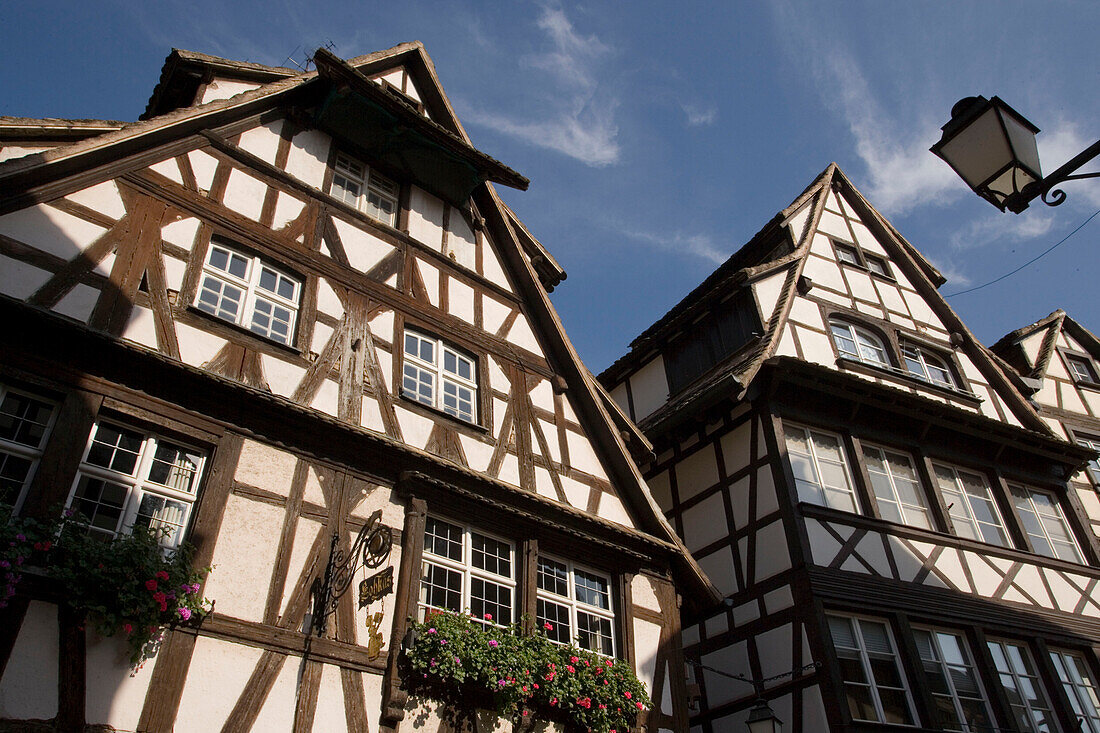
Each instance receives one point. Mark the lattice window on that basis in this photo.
(1080, 688)
(466, 571)
(245, 290)
(970, 503)
(1045, 524)
(132, 478)
(576, 605)
(821, 472)
(874, 685)
(856, 342)
(438, 375)
(929, 366)
(953, 681)
(25, 422)
(359, 185)
(1023, 687)
(897, 487)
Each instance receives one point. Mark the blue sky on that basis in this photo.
(659, 138)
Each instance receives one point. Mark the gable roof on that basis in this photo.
(1010, 346)
(764, 255)
(44, 175)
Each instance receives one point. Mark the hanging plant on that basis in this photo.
(129, 585)
(466, 664)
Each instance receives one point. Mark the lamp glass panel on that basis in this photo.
(1023, 143)
(978, 150)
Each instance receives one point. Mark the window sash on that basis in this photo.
(126, 492)
(858, 343)
(948, 663)
(1077, 681)
(1094, 463)
(821, 471)
(23, 435)
(897, 487)
(877, 265)
(590, 625)
(927, 366)
(1080, 368)
(364, 188)
(848, 254)
(261, 297)
(971, 505)
(440, 376)
(875, 683)
(478, 590)
(1045, 524)
(1023, 687)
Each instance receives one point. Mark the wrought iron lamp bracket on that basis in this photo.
(370, 549)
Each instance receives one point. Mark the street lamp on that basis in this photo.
(992, 147)
(762, 719)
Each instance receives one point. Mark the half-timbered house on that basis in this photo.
(301, 291)
(891, 522)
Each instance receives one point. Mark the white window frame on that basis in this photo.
(1023, 497)
(1017, 681)
(847, 254)
(864, 655)
(430, 381)
(253, 297)
(867, 345)
(814, 462)
(907, 510)
(925, 364)
(575, 606)
(466, 569)
(24, 451)
(1081, 368)
(945, 669)
(1080, 688)
(371, 189)
(1093, 467)
(878, 265)
(138, 484)
(959, 507)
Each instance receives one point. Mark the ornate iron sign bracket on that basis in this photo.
(370, 549)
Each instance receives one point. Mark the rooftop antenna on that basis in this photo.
(307, 59)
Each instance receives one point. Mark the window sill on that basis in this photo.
(897, 375)
(1087, 384)
(814, 511)
(435, 412)
(236, 330)
(869, 271)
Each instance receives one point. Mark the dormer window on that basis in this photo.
(927, 365)
(1081, 369)
(850, 254)
(858, 343)
(366, 189)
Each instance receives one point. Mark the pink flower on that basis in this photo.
(548, 626)
(431, 631)
(488, 617)
(494, 643)
(574, 660)
(161, 574)
(21, 537)
(128, 629)
(607, 662)
(628, 695)
(150, 585)
(185, 613)
(639, 706)
(570, 668)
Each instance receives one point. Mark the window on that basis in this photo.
(1094, 463)
(464, 570)
(576, 604)
(1023, 688)
(130, 478)
(249, 292)
(437, 375)
(25, 421)
(366, 189)
(926, 365)
(873, 681)
(847, 254)
(855, 342)
(897, 488)
(1076, 679)
(821, 473)
(877, 265)
(971, 506)
(1045, 524)
(1080, 368)
(953, 681)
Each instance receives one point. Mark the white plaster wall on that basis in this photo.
(263, 140)
(490, 265)
(168, 168)
(771, 551)
(460, 300)
(493, 313)
(203, 165)
(197, 346)
(643, 594)
(308, 157)
(327, 397)
(733, 659)
(774, 647)
(696, 472)
(647, 638)
(50, 230)
(461, 241)
(719, 568)
(611, 508)
(798, 222)
(521, 335)
(246, 548)
(425, 218)
(478, 454)
(287, 209)
(705, 522)
(114, 697)
(277, 714)
(824, 272)
(102, 197)
(430, 275)
(28, 689)
(364, 249)
(224, 89)
(767, 291)
(304, 535)
(141, 328)
(649, 387)
(245, 194)
(618, 393)
(265, 467)
(661, 490)
(78, 303)
(20, 280)
(218, 674)
(834, 225)
(415, 428)
(582, 456)
(282, 376)
(181, 233)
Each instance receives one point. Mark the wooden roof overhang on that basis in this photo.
(927, 414)
(60, 345)
(387, 128)
(51, 130)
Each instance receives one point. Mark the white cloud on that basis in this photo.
(953, 273)
(577, 116)
(698, 245)
(998, 228)
(697, 116)
(1058, 145)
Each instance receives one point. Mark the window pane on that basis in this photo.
(100, 502)
(174, 467)
(443, 539)
(492, 556)
(13, 474)
(553, 576)
(24, 419)
(491, 598)
(441, 587)
(594, 633)
(418, 383)
(115, 448)
(163, 515)
(592, 589)
(557, 616)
